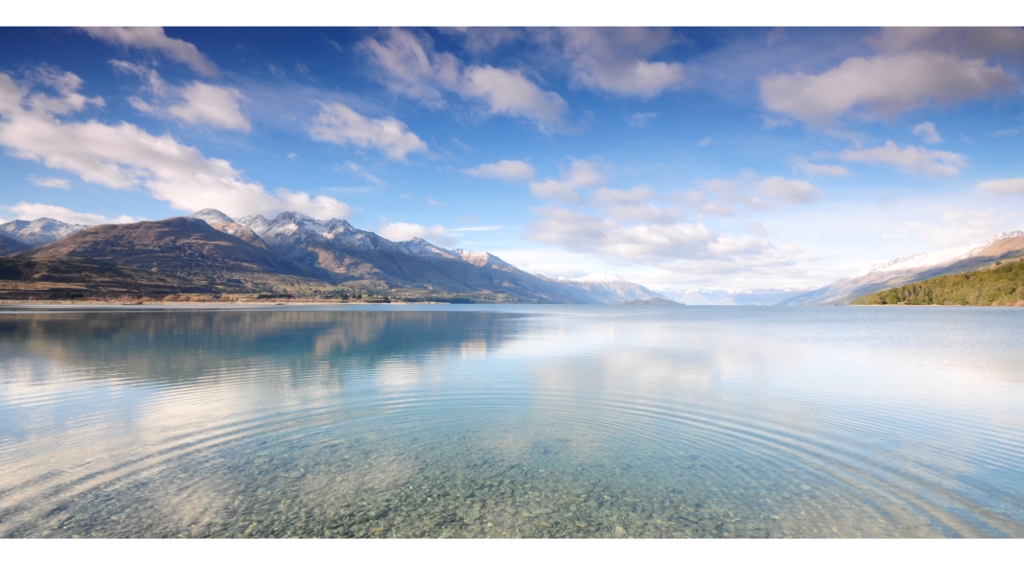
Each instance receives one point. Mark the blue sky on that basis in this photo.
(687, 158)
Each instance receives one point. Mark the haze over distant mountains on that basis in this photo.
(295, 253)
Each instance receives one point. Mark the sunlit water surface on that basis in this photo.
(441, 421)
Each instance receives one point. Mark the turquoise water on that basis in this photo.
(511, 421)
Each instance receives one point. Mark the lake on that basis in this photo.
(511, 421)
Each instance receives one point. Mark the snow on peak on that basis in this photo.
(938, 258)
(600, 278)
(212, 215)
(40, 231)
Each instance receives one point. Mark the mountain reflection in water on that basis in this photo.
(479, 421)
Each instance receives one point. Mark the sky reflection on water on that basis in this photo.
(476, 421)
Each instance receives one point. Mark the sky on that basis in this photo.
(716, 158)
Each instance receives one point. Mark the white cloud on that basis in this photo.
(359, 171)
(401, 231)
(927, 132)
(510, 93)
(196, 103)
(814, 169)
(705, 142)
(33, 211)
(957, 227)
(412, 68)
(1002, 186)
(643, 243)
(209, 104)
(337, 123)
(154, 38)
(789, 190)
(641, 119)
(581, 174)
(51, 182)
(126, 157)
(909, 159)
(882, 86)
(753, 191)
(511, 171)
(1005, 132)
(975, 42)
(614, 60)
(634, 195)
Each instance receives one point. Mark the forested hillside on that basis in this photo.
(999, 286)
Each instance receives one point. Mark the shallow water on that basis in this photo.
(512, 421)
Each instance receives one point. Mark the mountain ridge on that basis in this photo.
(913, 268)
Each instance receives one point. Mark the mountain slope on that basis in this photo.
(10, 246)
(361, 257)
(915, 268)
(611, 289)
(1001, 285)
(185, 247)
(27, 278)
(39, 232)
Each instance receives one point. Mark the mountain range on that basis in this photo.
(290, 254)
(915, 268)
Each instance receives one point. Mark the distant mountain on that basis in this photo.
(185, 247)
(39, 232)
(656, 301)
(10, 246)
(753, 297)
(915, 268)
(357, 257)
(295, 254)
(610, 289)
(996, 285)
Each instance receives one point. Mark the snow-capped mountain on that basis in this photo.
(39, 232)
(610, 288)
(914, 268)
(358, 256)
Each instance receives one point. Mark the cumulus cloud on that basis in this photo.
(814, 169)
(401, 231)
(626, 205)
(910, 159)
(927, 132)
(614, 60)
(412, 68)
(973, 42)
(581, 174)
(126, 157)
(510, 93)
(196, 103)
(50, 182)
(640, 243)
(511, 171)
(209, 104)
(1002, 186)
(33, 211)
(632, 196)
(154, 39)
(789, 190)
(705, 142)
(337, 123)
(882, 86)
(750, 190)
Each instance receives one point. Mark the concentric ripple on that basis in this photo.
(511, 422)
